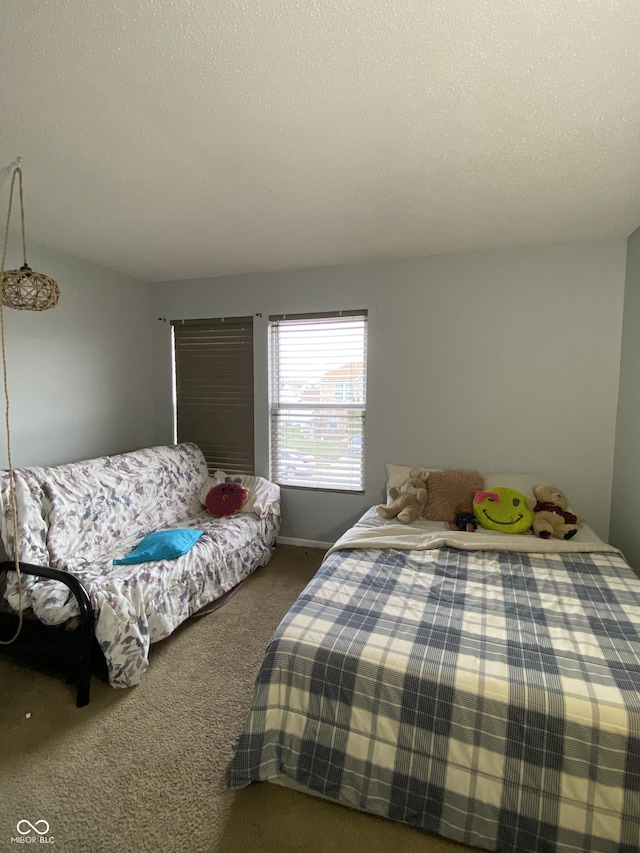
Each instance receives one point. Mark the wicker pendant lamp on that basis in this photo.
(24, 289)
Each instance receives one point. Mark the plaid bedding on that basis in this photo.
(492, 698)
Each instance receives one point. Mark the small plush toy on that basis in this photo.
(407, 502)
(552, 517)
(464, 518)
(504, 510)
(226, 498)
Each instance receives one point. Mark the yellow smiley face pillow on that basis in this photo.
(503, 509)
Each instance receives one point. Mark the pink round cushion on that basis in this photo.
(226, 498)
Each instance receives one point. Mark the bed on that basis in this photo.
(479, 686)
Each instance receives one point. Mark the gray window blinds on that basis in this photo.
(214, 390)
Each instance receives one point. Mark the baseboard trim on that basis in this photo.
(303, 543)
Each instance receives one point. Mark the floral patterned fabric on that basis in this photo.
(31, 513)
(81, 516)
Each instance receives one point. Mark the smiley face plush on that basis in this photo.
(503, 509)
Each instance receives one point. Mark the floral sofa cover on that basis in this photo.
(81, 516)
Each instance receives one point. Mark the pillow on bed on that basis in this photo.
(446, 489)
(522, 483)
(161, 545)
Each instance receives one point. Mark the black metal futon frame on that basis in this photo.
(72, 650)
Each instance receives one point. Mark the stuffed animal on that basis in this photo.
(504, 510)
(464, 518)
(552, 517)
(407, 502)
(226, 498)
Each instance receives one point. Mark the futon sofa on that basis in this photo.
(79, 517)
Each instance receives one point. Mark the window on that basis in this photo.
(213, 361)
(317, 391)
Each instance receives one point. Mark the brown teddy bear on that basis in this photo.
(464, 519)
(407, 502)
(552, 517)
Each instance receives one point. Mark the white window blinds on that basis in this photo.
(318, 394)
(214, 390)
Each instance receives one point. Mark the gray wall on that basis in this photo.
(80, 374)
(500, 360)
(504, 360)
(625, 531)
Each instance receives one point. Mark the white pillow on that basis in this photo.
(522, 483)
(263, 494)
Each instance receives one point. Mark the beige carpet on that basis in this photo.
(144, 769)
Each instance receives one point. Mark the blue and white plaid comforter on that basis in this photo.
(493, 698)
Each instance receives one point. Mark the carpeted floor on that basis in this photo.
(145, 769)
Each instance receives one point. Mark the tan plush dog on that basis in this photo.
(407, 502)
(552, 517)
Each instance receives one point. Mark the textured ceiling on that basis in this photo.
(174, 139)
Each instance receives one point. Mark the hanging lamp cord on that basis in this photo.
(12, 489)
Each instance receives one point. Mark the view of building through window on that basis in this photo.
(318, 400)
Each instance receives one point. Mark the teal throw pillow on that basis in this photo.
(161, 545)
